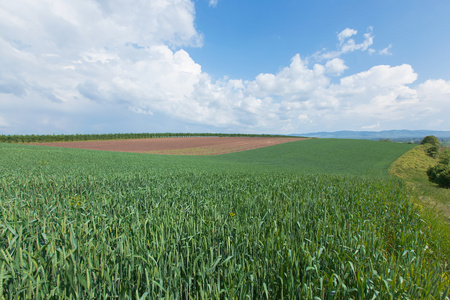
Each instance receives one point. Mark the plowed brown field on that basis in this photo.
(179, 145)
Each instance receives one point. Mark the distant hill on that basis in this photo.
(376, 135)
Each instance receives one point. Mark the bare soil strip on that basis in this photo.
(179, 145)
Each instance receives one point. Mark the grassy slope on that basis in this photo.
(433, 201)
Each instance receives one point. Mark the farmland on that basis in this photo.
(198, 145)
(305, 219)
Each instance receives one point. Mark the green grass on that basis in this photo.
(300, 220)
(434, 201)
(314, 156)
(324, 156)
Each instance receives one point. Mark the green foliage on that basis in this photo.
(440, 173)
(92, 224)
(432, 150)
(430, 139)
(444, 156)
(443, 177)
(432, 145)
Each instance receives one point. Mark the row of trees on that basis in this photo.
(439, 173)
(111, 136)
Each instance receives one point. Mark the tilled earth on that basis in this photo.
(179, 145)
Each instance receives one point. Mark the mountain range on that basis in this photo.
(375, 135)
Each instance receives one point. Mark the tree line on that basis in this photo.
(32, 138)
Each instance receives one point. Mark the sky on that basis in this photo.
(225, 66)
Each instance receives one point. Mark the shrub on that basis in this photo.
(440, 173)
(431, 139)
(432, 143)
(431, 150)
(433, 172)
(444, 178)
(444, 156)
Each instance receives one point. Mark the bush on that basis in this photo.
(432, 143)
(431, 139)
(444, 156)
(431, 150)
(444, 178)
(440, 173)
(433, 172)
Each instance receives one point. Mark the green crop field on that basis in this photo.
(315, 219)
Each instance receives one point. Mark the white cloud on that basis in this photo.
(112, 52)
(382, 92)
(141, 111)
(336, 66)
(291, 81)
(120, 66)
(386, 51)
(347, 44)
(213, 3)
(435, 90)
(435, 96)
(3, 122)
(345, 34)
(304, 118)
(381, 77)
(373, 126)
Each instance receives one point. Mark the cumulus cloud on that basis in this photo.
(345, 34)
(116, 52)
(380, 77)
(335, 66)
(213, 3)
(291, 81)
(122, 66)
(347, 44)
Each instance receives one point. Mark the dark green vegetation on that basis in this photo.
(432, 145)
(438, 172)
(303, 219)
(430, 139)
(110, 136)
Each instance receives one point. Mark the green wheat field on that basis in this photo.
(314, 219)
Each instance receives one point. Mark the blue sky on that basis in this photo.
(242, 36)
(285, 66)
